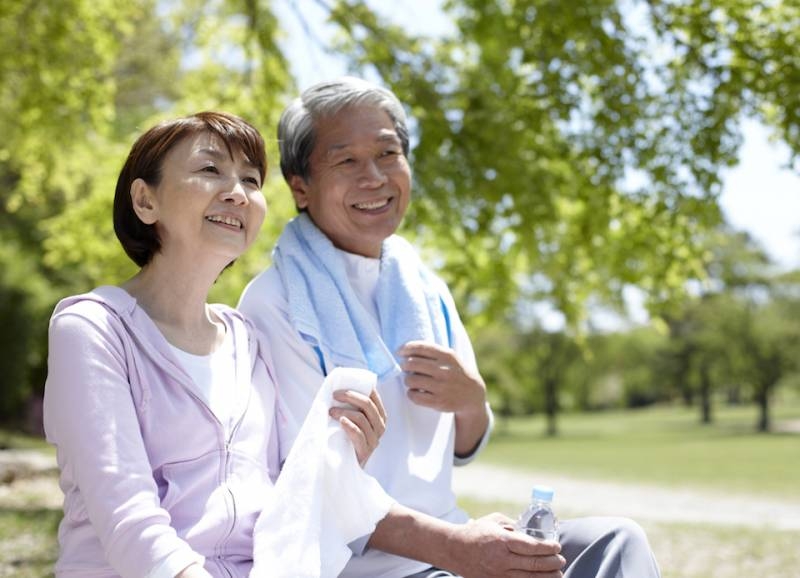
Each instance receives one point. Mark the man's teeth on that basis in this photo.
(227, 220)
(372, 205)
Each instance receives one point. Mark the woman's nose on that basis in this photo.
(235, 193)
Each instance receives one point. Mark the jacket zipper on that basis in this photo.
(232, 500)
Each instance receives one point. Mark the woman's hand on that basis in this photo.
(364, 421)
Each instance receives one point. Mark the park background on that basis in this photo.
(609, 187)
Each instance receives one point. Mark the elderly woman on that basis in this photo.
(344, 289)
(162, 407)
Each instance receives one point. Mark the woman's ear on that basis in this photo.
(144, 202)
(299, 189)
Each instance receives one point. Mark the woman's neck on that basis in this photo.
(175, 300)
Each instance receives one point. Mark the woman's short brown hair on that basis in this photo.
(145, 162)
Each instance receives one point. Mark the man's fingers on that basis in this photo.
(524, 545)
(527, 574)
(415, 365)
(540, 564)
(421, 382)
(422, 397)
(423, 349)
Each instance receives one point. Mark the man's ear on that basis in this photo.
(299, 189)
(144, 202)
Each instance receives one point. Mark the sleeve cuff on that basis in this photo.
(175, 563)
(464, 460)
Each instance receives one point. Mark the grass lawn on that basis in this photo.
(28, 545)
(664, 446)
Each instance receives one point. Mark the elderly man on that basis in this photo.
(344, 290)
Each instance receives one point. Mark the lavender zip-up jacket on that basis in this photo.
(148, 472)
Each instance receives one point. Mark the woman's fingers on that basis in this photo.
(363, 420)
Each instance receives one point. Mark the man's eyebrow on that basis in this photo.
(383, 137)
(388, 137)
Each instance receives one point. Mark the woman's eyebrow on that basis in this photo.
(212, 152)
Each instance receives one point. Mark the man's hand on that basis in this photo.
(489, 547)
(364, 421)
(436, 378)
(483, 548)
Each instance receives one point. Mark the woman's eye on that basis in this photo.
(210, 169)
(252, 181)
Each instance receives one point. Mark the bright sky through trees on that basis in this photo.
(759, 195)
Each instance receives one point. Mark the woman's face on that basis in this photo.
(208, 203)
(360, 182)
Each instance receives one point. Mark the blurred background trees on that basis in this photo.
(564, 153)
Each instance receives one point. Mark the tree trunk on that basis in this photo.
(705, 394)
(551, 405)
(762, 397)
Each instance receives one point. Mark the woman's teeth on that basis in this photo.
(226, 220)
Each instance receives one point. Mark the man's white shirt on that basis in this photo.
(415, 456)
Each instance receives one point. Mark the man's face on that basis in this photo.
(360, 182)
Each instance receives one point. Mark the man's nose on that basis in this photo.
(372, 175)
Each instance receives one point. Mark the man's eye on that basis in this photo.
(346, 161)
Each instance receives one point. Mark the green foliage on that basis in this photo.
(736, 333)
(625, 370)
(567, 149)
(562, 151)
(78, 83)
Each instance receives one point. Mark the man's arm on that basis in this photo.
(483, 548)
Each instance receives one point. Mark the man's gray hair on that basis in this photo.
(296, 134)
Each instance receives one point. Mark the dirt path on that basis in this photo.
(640, 502)
(493, 483)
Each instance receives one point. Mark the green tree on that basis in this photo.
(707, 329)
(548, 360)
(56, 94)
(568, 149)
(770, 349)
(79, 80)
(625, 369)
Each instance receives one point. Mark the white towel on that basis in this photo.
(324, 308)
(322, 500)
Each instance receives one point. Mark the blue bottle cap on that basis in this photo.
(544, 493)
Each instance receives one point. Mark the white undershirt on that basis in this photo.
(213, 377)
(363, 274)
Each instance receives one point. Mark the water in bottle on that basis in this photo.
(538, 520)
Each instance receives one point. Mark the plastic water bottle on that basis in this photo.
(538, 520)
